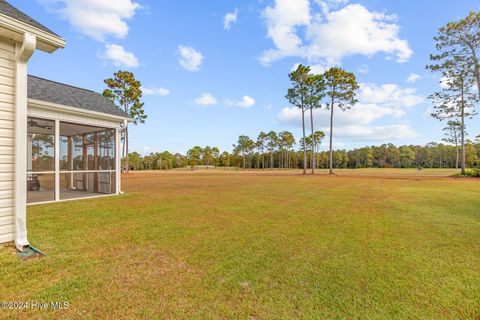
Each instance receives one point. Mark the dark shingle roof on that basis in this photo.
(54, 92)
(9, 10)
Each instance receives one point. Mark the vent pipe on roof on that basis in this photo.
(23, 53)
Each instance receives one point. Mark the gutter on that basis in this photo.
(15, 29)
(23, 52)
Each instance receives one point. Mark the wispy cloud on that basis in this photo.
(413, 77)
(117, 55)
(230, 18)
(190, 59)
(206, 99)
(246, 102)
(96, 19)
(152, 91)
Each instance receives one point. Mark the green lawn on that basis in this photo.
(366, 244)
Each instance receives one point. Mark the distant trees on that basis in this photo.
(286, 142)
(471, 155)
(194, 156)
(432, 155)
(207, 155)
(406, 155)
(341, 89)
(316, 139)
(272, 141)
(224, 159)
(315, 94)
(135, 160)
(244, 146)
(452, 136)
(260, 144)
(298, 96)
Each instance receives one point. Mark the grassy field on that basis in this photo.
(365, 244)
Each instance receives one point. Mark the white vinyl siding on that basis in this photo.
(7, 102)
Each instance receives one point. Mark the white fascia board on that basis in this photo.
(76, 111)
(15, 29)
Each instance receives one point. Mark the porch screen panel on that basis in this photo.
(40, 160)
(87, 160)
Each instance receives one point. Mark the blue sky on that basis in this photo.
(213, 70)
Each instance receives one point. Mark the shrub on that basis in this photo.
(473, 172)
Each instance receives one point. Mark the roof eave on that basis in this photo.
(74, 110)
(14, 30)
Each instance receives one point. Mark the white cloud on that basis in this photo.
(375, 103)
(360, 114)
(413, 77)
(282, 21)
(206, 99)
(246, 102)
(363, 69)
(330, 35)
(329, 5)
(354, 124)
(191, 59)
(314, 69)
(389, 95)
(230, 18)
(119, 56)
(317, 69)
(152, 91)
(377, 133)
(96, 19)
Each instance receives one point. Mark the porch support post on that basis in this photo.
(95, 163)
(70, 185)
(85, 163)
(57, 160)
(23, 52)
(118, 162)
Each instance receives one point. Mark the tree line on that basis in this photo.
(272, 150)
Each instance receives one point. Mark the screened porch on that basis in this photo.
(67, 160)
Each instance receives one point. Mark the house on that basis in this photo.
(57, 142)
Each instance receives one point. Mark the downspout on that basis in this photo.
(23, 53)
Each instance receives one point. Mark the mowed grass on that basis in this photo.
(368, 244)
